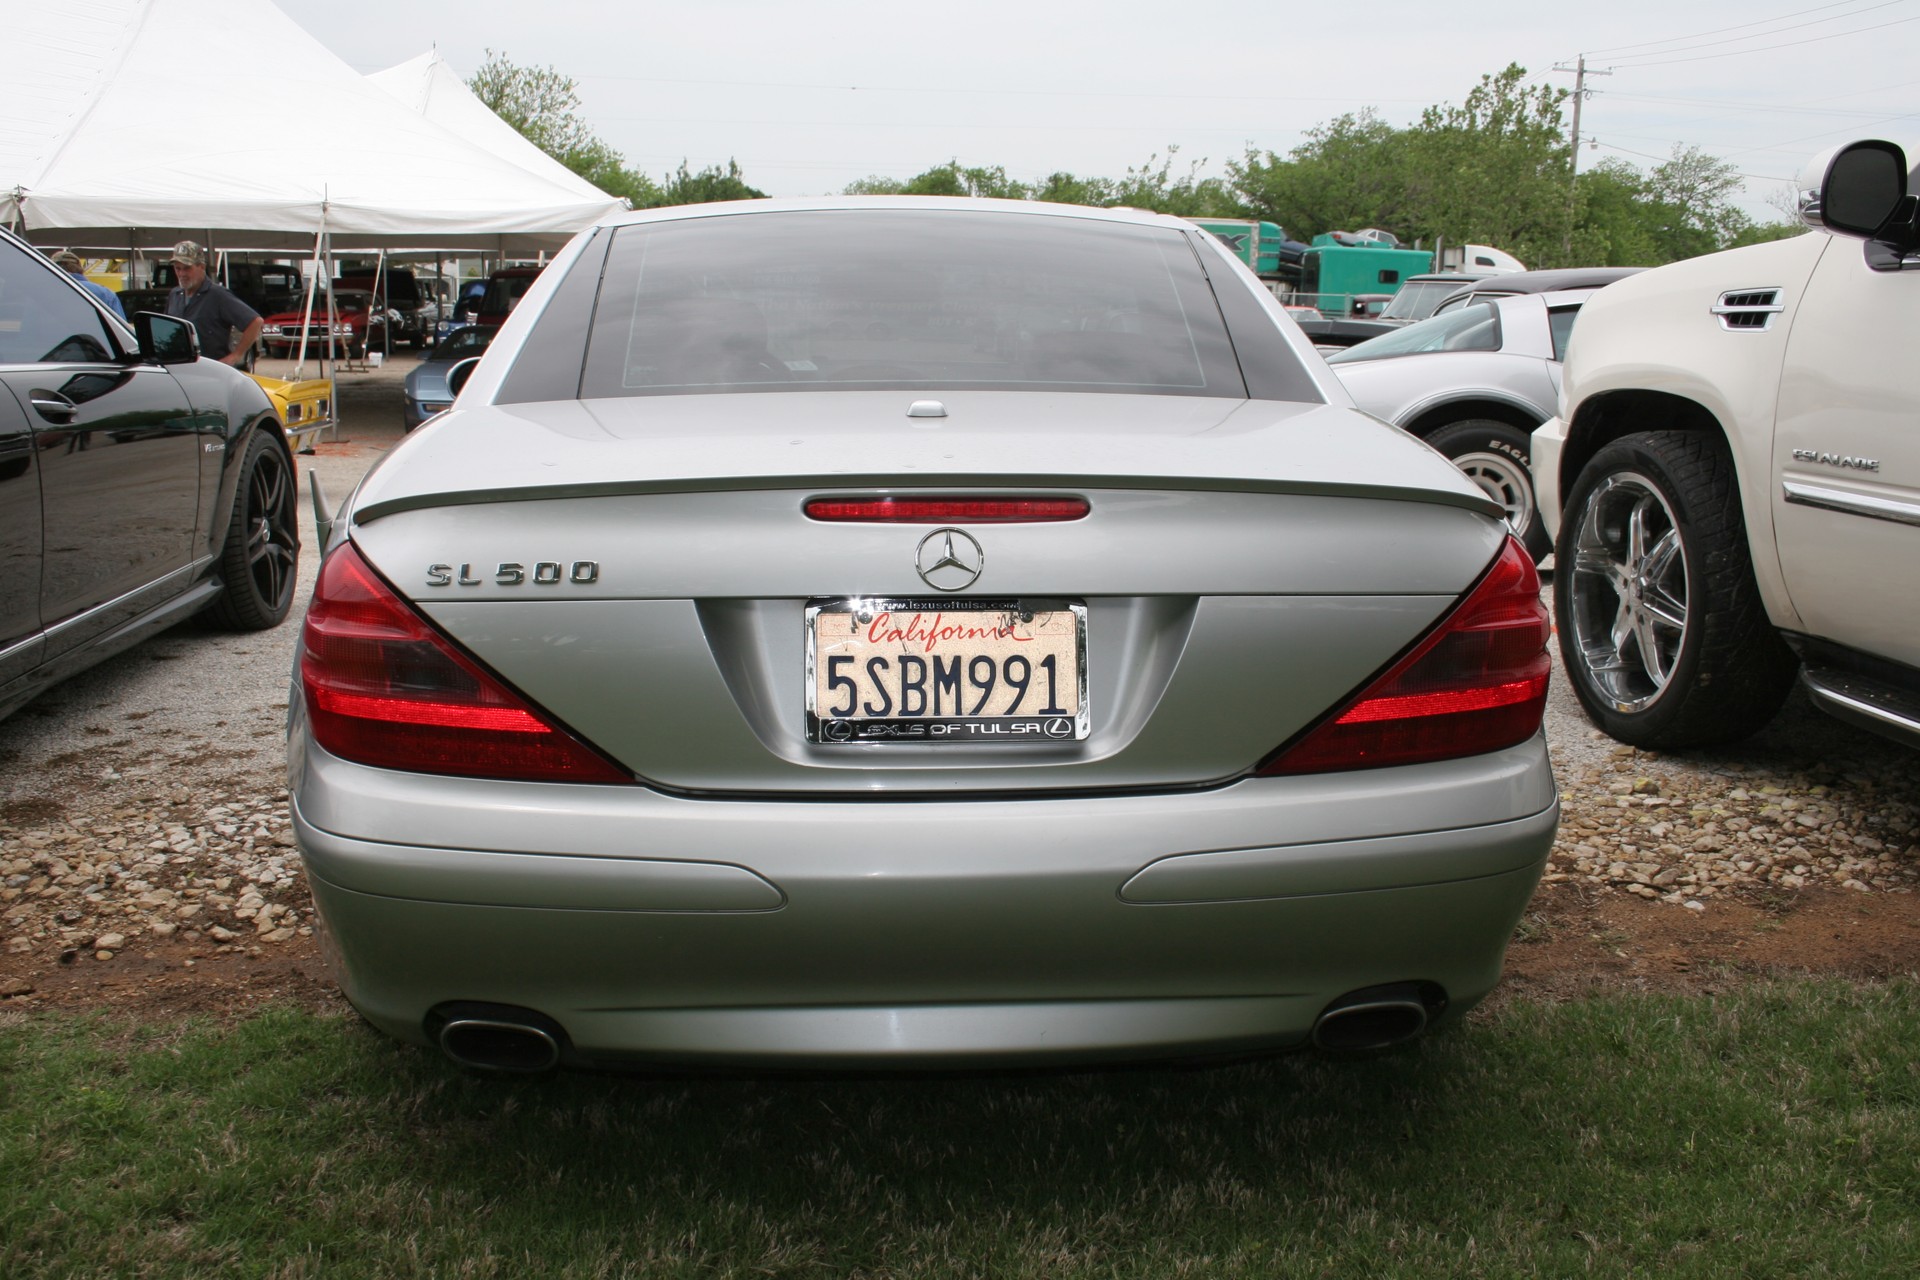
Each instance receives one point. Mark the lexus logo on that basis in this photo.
(949, 560)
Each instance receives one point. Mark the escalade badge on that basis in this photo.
(1826, 459)
(949, 560)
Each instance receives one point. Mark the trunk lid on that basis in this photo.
(642, 569)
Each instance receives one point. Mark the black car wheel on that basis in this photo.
(261, 560)
(1495, 456)
(1661, 625)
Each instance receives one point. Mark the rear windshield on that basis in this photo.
(1470, 328)
(504, 293)
(924, 299)
(1417, 298)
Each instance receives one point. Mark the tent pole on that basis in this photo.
(333, 365)
(380, 301)
(306, 315)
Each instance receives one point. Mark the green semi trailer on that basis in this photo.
(1261, 245)
(1333, 274)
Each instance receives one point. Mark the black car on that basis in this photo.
(139, 483)
(1555, 280)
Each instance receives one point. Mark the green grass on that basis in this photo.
(1771, 1133)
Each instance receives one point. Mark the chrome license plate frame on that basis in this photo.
(938, 646)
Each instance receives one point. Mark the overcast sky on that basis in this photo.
(811, 96)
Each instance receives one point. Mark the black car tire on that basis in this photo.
(1497, 457)
(1666, 641)
(260, 563)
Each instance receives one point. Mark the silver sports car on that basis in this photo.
(1474, 382)
(914, 632)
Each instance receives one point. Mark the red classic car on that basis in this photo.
(354, 323)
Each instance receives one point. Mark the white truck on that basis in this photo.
(1733, 480)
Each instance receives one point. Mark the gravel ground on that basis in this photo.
(146, 798)
(144, 802)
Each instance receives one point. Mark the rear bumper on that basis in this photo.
(659, 929)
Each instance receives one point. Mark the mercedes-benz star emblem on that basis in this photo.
(950, 560)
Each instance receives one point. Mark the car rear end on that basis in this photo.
(939, 693)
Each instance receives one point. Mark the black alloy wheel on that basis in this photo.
(260, 563)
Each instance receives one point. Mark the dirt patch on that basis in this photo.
(31, 811)
(1575, 940)
(168, 979)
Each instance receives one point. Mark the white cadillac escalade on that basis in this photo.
(1733, 482)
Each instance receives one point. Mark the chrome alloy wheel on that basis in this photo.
(1628, 582)
(1505, 481)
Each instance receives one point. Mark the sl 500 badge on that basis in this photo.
(512, 573)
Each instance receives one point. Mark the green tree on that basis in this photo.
(1614, 228)
(874, 185)
(709, 184)
(1065, 188)
(1681, 208)
(1495, 169)
(1153, 186)
(543, 106)
(1350, 172)
(1764, 232)
(1698, 192)
(955, 179)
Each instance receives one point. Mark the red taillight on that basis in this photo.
(1476, 683)
(384, 688)
(1007, 510)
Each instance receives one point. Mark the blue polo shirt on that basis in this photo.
(212, 311)
(108, 298)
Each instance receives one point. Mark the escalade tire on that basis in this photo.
(260, 562)
(1665, 639)
(1496, 457)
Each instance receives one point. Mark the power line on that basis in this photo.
(1798, 13)
(1647, 155)
(1710, 44)
(1742, 107)
(999, 93)
(1791, 44)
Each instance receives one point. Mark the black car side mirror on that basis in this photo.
(165, 339)
(1860, 190)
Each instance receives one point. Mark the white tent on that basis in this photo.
(427, 86)
(139, 122)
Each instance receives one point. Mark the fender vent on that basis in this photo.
(1748, 309)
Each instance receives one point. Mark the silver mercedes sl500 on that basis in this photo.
(914, 632)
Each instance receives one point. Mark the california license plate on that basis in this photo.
(938, 671)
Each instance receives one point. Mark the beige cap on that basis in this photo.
(67, 260)
(190, 254)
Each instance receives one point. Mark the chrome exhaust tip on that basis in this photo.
(1378, 1017)
(496, 1038)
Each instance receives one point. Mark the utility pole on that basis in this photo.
(1580, 91)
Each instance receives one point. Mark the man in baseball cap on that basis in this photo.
(69, 261)
(211, 309)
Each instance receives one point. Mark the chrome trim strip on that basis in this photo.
(1822, 692)
(20, 646)
(1853, 504)
(178, 579)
